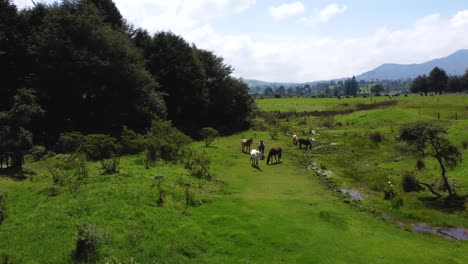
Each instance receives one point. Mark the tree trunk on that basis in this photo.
(444, 177)
(431, 189)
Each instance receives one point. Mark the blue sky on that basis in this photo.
(277, 40)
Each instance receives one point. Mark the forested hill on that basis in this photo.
(90, 71)
(454, 64)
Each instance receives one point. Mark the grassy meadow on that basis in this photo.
(281, 213)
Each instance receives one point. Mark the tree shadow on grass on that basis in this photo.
(445, 204)
(16, 173)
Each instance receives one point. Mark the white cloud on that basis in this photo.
(324, 15)
(308, 58)
(460, 19)
(286, 10)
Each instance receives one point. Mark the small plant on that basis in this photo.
(111, 165)
(376, 138)
(38, 152)
(389, 191)
(420, 165)
(274, 131)
(99, 146)
(53, 190)
(200, 165)
(89, 238)
(409, 182)
(3, 213)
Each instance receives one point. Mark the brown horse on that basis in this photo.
(245, 144)
(276, 153)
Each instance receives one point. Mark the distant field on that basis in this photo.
(446, 105)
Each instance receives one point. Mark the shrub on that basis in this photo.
(420, 165)
(327, 121)
(274, 131)
(110, 165)
(38, 152)
(465, 145)
(409, 182)
(99, 146)
(389, 191)
(53, 190)
(200, 165)
(89, 238)
(70, 141)
(3, 213)
(376, 137)
(131, 142)
(208, 134)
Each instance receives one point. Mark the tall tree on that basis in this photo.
(15, 139)
(351, 86)
(455, 84)
(420, 85)
(174, 63)
(8, 51)
(89, 75)
(438, 80)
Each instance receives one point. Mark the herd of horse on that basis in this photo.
(274, 153)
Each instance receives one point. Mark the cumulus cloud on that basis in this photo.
(460, 19)
(324, 15)
(286, 10)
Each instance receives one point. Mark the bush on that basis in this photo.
(208, 134)
(38, 152)
(390, 192)
(200, 165)
(89, 238)
(111, 165)
(327, 121)
(99, 146)
(131, 142)
(409, 182)
(376, 138)
(420, 165)
(3, 213)
(274, 131)
(69, 142)
(53, 190)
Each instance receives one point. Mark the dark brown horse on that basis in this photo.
(261, 147)
(245, 144)
(305, 142)
(276, 153)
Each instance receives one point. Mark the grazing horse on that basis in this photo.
(295, 139)
(245, 144)
(254, 156)
(304, 142)
(276, 153)
(261, 147)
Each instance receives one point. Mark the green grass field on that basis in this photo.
(272, 214)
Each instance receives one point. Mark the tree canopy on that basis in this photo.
(94, 73)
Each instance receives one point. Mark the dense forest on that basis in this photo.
(80, 66)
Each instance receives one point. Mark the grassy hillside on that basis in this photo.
(279, 213)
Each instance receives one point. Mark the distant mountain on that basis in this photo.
(454, 64)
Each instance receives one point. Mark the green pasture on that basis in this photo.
(280, 213)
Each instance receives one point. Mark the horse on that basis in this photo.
(276, 153)
(254, 156)
(261, 147)
(294, 137)
(304, 142)
(245, 143)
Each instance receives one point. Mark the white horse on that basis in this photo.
(295, 138)
(255, 155)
